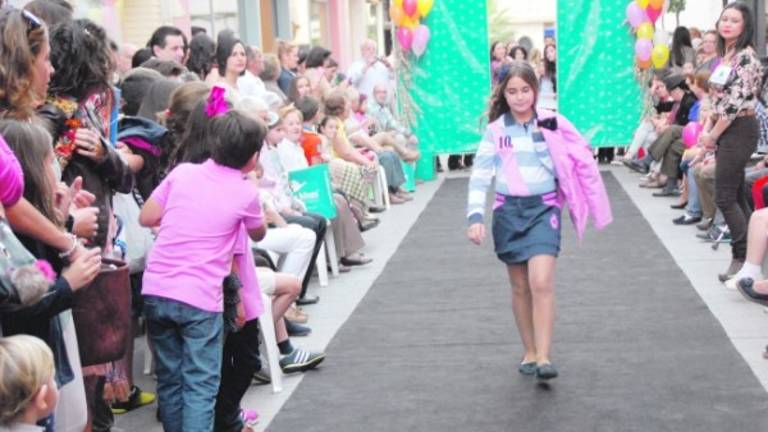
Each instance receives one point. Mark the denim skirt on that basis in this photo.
(524, 227)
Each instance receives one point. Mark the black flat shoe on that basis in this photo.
(686, 219)
(678, 206)
(350, 262)
(307, 301)
(746, 288)
(546, 372)
(376, 209)
(527, 368)
(369, 224)
(667, 193)
(637, 166)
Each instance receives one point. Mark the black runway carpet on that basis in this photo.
(433, 347)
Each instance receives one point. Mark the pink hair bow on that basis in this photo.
(216, 105)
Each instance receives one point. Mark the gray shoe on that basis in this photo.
(546, 372)
(527, 368)
(705, 224)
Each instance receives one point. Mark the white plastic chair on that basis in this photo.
(322, 267)
(267, 327)
(330, 249)
(381, 190)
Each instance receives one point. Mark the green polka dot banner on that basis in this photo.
(451, 81)
(597, 87)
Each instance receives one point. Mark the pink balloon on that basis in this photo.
(653, 14)
(636, 15)
(691, 133)
(421, 37)
(410, 7)
(405, 37)
(643, 49)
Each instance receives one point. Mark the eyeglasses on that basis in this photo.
(33, 22)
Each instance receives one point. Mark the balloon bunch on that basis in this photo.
(411, 35)
(642, 16)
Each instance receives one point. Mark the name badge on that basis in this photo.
(720, 75)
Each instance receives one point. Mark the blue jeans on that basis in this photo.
(187, 344)
(694, 205)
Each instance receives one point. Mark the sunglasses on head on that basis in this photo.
(33, 22)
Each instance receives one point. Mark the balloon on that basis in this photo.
(691, 133)
(660, 55)
(397, 14)
(656, 4)
(410, 22)
(642, 3)
(643, 65)
(643, 48)
(410, 7)
(420, 40)
(425, 6)
(635, 15)
(645, 31)
(405, 37)
(653, 14)
(399, 3)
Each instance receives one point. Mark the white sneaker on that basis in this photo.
(733, 283)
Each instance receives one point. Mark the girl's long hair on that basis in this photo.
(21, 40)
(497, 106)
(32, 144)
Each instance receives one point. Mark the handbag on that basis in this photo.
(22, 282)
(102, 314)
(138, 239)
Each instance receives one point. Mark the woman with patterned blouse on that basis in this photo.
(733, 130)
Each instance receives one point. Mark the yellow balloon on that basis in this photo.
(642, 3)
(656, 4)
(410, 22)
(424, 6)
(660, 55)
(645, 31)
(399, 3)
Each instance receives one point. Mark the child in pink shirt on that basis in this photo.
(200, 210)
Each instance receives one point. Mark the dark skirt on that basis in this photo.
(524, 227)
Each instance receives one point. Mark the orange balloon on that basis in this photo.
(656, 4)
(643, 65)
(397, 14)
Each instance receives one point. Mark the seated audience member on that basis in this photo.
(668, 147)
(405, 142)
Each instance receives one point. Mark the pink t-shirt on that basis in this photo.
(250, 294)
(204, 207)
(11, 176)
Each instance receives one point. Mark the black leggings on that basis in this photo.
(319, 225)
(735, 147)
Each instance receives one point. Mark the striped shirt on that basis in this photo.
(517, 156)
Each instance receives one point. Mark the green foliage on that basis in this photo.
(500, 27)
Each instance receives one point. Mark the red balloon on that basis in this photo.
(653, 14)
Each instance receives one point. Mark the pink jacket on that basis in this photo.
(579, 182)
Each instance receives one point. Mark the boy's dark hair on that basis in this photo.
(237, 137)
(166, 68)
(195, 30)
(140, 56)
(309, 106)
(135, 86)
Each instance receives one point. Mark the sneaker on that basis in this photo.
(136, 399)
(261, 377)
(300, 361)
